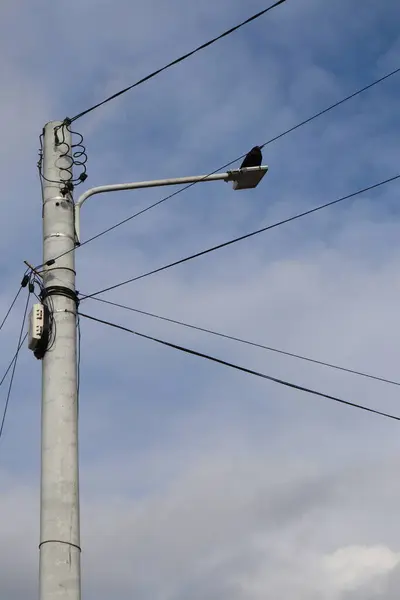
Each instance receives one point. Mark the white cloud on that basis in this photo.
(354, 566)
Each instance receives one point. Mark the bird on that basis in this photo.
(252, 158)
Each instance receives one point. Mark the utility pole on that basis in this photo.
(55, 342)
(59, 573)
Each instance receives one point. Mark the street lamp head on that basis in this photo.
(248, 178)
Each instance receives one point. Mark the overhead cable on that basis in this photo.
(186, 187)
(177, 61)
(244, 369)
(242, 237)
(247, 342)
(14, 365)
(24, 283)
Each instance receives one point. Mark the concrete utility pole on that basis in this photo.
(59, 577)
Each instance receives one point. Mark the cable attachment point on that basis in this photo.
(68, 188)
(70, 156)
(59, 290)
(25, 280)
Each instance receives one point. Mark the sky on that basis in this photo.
(198, 481)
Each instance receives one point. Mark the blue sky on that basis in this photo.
(198, 481)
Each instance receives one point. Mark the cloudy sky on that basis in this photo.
(199, 482)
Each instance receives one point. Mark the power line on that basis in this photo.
(242, 237)
(24, 283)
(247, 342)
(14, 363)
(10, 308)
(329, 108)
(13, 359)
(243, 369)
(270, 141)
(78, 360)
(178, 60)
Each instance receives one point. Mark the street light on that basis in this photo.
(60, 565)
(242, 179)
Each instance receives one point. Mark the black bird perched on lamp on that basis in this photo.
(252, 158)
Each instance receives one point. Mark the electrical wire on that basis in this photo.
(178, 60)
(13, 359)
(24, 283)
(247, 342)
(242, 237)
(243, 369)
(78, 361)
(329, 108)
(10, 308)
(270, 141)
(14, 363)
(73, 155)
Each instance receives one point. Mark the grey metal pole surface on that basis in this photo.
(59, 573)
